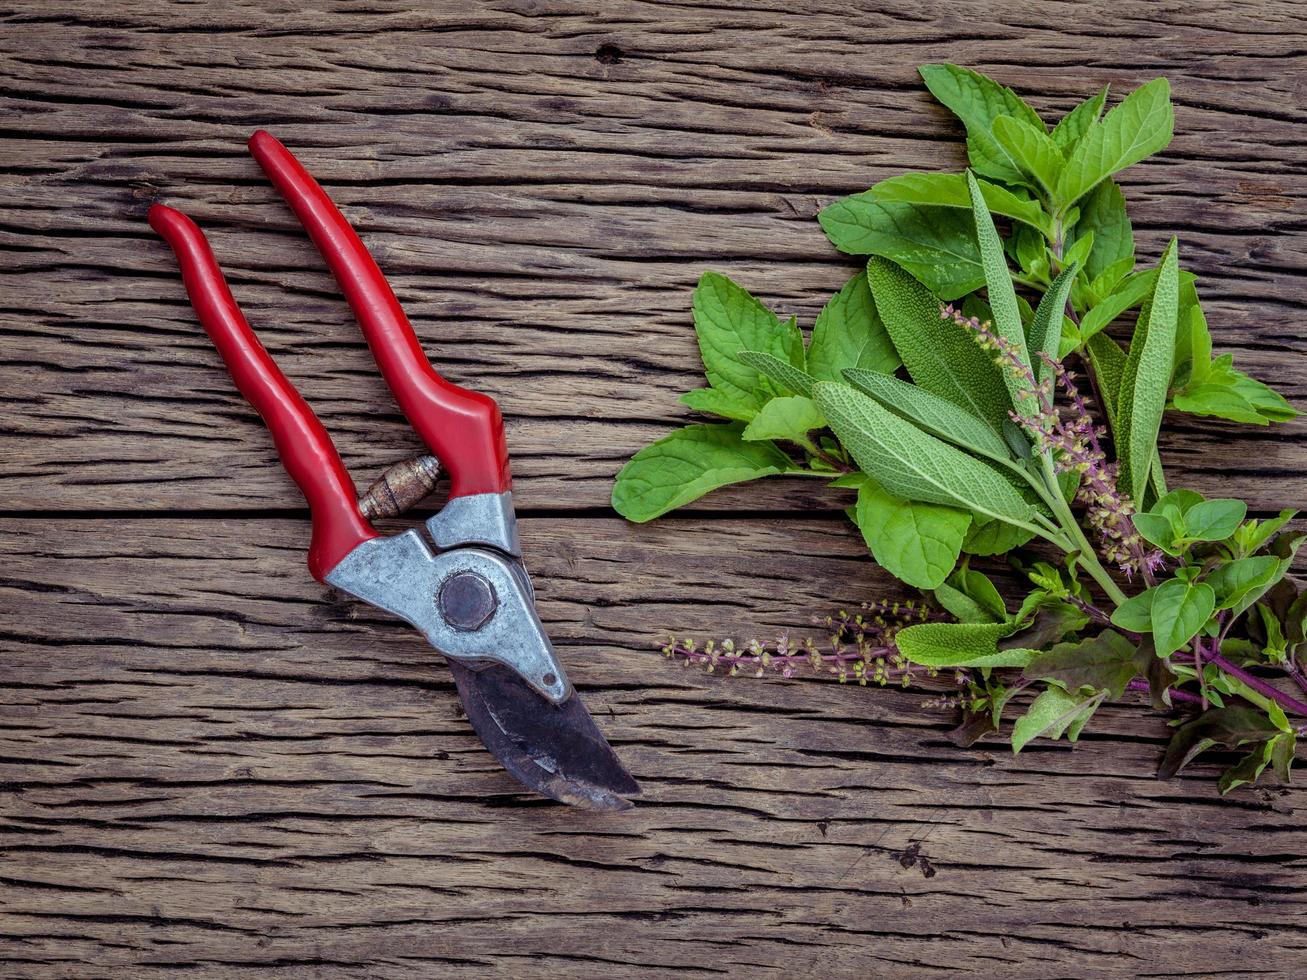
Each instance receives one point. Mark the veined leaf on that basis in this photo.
(995, 538)
(917, 543)
(1030, 150)
(727, 320)
(688, 463)
(938, 416)
(1002, 297)
(1129, 293)
(978, 101)
(1104, 662)
(1046, 328)
(1073, 126)
(1103, 215)
(959, 645)
(1178, 612)
(782, 373)
(849, 334)
(940, 356)
(935, 244)
(1214, 520)
(1052, 713)
(1147, 375)
(788, 417)
(911, 463)
(1234, 581)
(950, 191)
(713, 402)
(1138, 127)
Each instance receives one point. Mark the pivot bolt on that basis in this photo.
(466, 600)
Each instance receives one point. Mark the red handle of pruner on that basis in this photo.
(305, 448)
(463, 428)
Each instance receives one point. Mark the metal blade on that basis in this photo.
(556, 750)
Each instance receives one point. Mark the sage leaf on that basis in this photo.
(782, 373)
(1147, 374)
(1002, 297)
(688, 463)
(950, 190)
(935, 244)
(711, 401)
(1103, 215)
(1052, 713)
(911, 463)
(1179, 610)
(958, 645)
(1030, 150)
(1072, 127)
(917, 543)
(1138, 127)
(941, 357)
(727, 320)
(849, 334)
(1046, 328)
(1104, 662)
(978, 101)
(938, 416)
(788, 417)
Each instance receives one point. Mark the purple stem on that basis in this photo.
(1139, 684)
(1286, 701)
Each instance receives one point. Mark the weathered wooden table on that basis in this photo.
(211, 766)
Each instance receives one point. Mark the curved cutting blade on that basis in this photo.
(555, 749)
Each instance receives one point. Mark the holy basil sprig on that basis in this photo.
(936, 385)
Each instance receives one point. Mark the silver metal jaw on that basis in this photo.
(481, 518)
(404, 576)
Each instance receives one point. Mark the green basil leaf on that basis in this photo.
(950, 191)
(1029, 149)
(1136, 613)
(1180, 609)
(710, 401)
(909, 462)
(917, 543)
(935, 244)
(849, 334)
(941, 357)
(688, 463)
(959, 645)
(1138, 127)
(1214, 520)
(1002, 297)
(1072, 127)
(1103, 215)
(782, 373)
(1180, 498)
(1233, 582)
(978, 101)
(1104, 662)
(938, 416)
(1050, 714)
(1147, 376)
(1157, 530)
(727, 320)
(1046, 328)
(788, 417)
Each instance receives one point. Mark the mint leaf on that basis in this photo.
(688, 463)
(1002, 296)
(950, 190)
(1147, 376)
(938, 416)
(1073, 126)
(911, 463)
(935, 244)
(917, 543)
(782, 373)
(1030, 150)
(1103, 215)
(788, 417)
(959, 645)
(849, 334)
(1138, 127)
(713, 402)
(1180, 609)
(941, 357)
(727, 320)
(978, 101)
(1104, 662)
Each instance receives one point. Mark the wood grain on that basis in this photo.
(213, 768)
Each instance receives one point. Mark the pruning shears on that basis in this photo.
(463, 585)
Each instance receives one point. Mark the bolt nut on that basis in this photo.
(466, 600)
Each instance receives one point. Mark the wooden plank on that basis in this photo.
(543, 209)
(211, 765)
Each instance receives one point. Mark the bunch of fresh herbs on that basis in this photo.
(966, 386)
